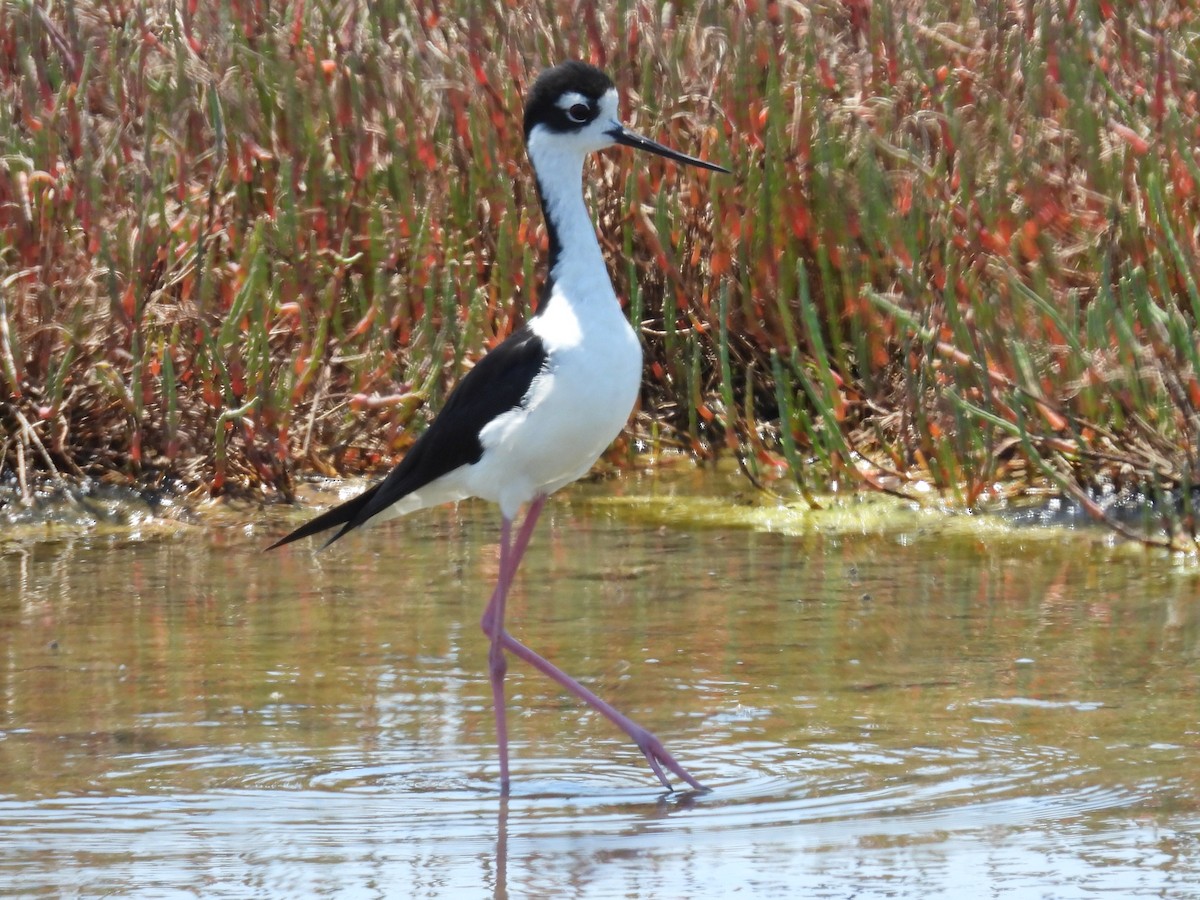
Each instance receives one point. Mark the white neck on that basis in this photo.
(577, 265)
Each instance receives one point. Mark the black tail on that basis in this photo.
(343, 514)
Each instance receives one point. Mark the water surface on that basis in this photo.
(904, 706)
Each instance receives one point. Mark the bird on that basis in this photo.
(536, 412)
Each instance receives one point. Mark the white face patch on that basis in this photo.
(570, 98)
(543, 143)
(608, 106)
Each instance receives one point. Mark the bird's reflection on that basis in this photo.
(666, 804)
(501, 890)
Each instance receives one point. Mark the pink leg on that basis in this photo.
(493, 626)
(652, 748)
(493, 622)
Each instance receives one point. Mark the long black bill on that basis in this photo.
(623, 135)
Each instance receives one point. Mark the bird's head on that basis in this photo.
(572, 108)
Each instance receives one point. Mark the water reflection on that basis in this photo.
(881, 711)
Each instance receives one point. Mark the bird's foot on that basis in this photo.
(658, 757)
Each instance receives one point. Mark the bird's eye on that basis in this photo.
(579, 112)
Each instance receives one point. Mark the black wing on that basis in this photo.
(497, 384)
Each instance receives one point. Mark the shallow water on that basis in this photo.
(883, 706)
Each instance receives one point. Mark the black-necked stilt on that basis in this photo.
(537, 411)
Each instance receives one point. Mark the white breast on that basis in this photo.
(573, 410)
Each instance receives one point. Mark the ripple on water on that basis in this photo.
(346, 812)
(755, 785)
